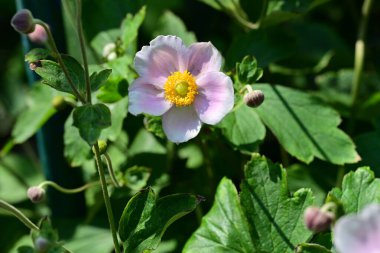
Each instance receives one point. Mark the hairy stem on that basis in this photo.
(59, 59)
(106, 197)
(83, 50)
(110, 170)
(65, 190)
(18, 214)
(360, 51)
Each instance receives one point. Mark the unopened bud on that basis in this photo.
(58, 102)
(34, 65)
(42, 244)
(109, 51)
(39, 35)
(23, 21)
(36, 194)
(102, 147)
(318, 220)
(254, 98)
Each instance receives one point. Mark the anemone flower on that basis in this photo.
(182, 84)
(359, 233)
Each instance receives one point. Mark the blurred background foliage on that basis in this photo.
(307, 45)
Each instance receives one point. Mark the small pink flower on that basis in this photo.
(183, 84)
(39, 35)
(359, 233)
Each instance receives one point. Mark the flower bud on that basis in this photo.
(39, 35)
(23, 21)
(109, 51)
(58, 102)
(318, 220)
(42, 244)
(36, 194)
(254, 98)
(34, 65)
(102, 147)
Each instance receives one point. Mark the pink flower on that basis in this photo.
(359, 233)
(182, 84)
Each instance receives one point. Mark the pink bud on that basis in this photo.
(39, 35)
(317, 220)
(36, 194)
(42, 244)
(23, 21)
(254, 98)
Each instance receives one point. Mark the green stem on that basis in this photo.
(110, 170)
(19, 215)
(65, 190)
(7, 147)
(106, 197)
(59, 59)
(360, 51)
(83, 50)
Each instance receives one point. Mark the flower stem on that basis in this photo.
(110, 170)
(83, 50)
(106, 197)
(65, 190)
(360, 51)
(59, 59)
(18, 214)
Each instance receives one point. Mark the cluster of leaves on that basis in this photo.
(307, 87)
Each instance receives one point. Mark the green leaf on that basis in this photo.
(17, 174)
(295, 119)
(36, 54)
(53, 75)
(76, 150)
(311, 248)
(84, 237)
(282, 10)
(39, 110)
(242, 126)
(97, 79)
(154, 125)
(119, 111)
(91, 120)
(170, 24)
(359, 189)
(247, 70)
(136, 177)
(193, 155)
(130, 27)
(103, 38)
(224, 228)
(231, 7)
(25, 249)
(277, 217)
(144, 221)
(47, 232)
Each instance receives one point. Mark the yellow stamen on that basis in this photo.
(180, 88)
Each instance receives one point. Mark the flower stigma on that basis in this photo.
(180, 88)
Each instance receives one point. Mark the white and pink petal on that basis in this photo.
(164, 55)
(145, 97)
(181, 124)
(215, 97)
(203, 57)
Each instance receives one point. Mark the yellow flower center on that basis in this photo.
(180, 88)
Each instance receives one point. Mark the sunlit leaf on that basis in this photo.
(305, 126)
(170, 24)
(145, 220)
